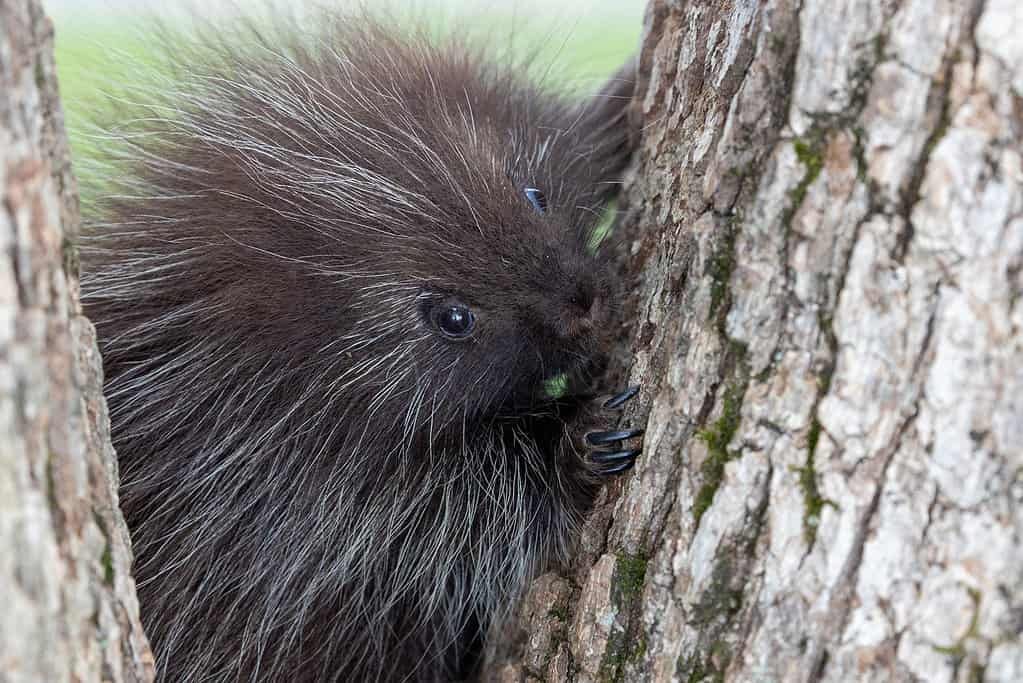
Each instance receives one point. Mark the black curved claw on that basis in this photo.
(604, 438)
(618, 400)
(619, 467)
(603, 458)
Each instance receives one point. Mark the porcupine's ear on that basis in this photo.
(607, 125)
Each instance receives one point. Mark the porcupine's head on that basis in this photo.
(327, 262)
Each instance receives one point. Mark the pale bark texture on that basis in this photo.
(68, 610)
(824, 243)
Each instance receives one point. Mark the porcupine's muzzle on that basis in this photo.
(583, 332)
(579, 317)
(583, 311)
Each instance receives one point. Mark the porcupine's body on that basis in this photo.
(329, 296)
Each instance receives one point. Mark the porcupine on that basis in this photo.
(333, 285)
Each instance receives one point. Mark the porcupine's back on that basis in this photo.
(300, 472)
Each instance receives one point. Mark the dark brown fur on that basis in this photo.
(319, 485)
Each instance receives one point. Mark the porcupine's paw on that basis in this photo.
(606, 450)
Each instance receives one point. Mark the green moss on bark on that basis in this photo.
(630, 573)
(721, 265)
(810, 152)
(624, 645)
(717, 436)
(813, 502)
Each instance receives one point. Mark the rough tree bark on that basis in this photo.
(825, 238)
(69, 610)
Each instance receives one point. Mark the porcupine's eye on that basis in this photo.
(455, 321)
(537, 199)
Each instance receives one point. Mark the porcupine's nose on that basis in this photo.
(581, 310)
(583, 299)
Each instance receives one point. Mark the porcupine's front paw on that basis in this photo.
(605, 450)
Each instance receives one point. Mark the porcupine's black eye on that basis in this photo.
(537, 199)
(455, 321)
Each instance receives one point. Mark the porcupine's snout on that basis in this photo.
(584, 313)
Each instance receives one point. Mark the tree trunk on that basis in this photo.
(69, 609)
(825, 247)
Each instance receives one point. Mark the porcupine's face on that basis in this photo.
(525, 302)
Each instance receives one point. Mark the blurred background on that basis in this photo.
(101, 44)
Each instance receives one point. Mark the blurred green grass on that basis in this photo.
(93, 61)
(97, 56)
(85, 63)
